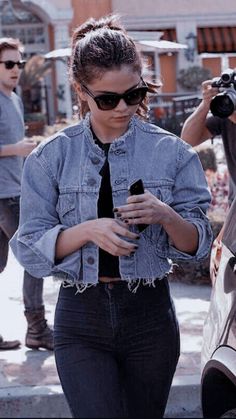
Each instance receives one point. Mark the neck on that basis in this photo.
(6, 90)
(106, 135)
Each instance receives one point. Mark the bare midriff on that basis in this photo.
(108, 279)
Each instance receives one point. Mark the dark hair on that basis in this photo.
(207, 157)
(10, 43)
(101, 45)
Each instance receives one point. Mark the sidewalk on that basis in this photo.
(29, 385)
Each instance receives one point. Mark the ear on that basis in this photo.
(82, 95)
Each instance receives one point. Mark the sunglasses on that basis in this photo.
(10, 64)
(109, 101)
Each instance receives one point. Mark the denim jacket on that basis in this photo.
(60, 188)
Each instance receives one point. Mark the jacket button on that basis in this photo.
(90, 260)
(119, 152)
(119, 181)
(95, 160)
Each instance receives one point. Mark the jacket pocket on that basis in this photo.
(161, 189)
(66, 209)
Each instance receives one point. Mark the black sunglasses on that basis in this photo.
(109, 101)
(10, 64)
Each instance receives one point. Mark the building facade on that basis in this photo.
(207, 29)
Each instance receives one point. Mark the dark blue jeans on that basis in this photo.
(116, 351)
(9, 220)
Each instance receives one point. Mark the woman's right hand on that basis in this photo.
(109, 234)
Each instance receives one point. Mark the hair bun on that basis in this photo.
(110, 22)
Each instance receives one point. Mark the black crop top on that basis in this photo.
(108, 264)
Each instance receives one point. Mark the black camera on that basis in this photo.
(224, 103)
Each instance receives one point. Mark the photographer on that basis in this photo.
(201, 126)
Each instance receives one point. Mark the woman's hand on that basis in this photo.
(148, 209)
(143, 209)
(110, 234)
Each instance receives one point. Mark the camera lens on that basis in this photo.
(224, 104)
(227, 76)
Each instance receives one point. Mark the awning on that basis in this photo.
(58, 53)
(169, 34)
(161, 46)
(221, 39)
(164, 46)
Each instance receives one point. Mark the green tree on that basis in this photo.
(192, 77)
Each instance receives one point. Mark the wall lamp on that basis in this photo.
(189, 53)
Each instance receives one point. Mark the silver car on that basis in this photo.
(218, 379)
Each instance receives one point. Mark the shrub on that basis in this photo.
(191, 78)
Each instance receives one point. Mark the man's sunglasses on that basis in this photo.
(10, 64)
(109, 101)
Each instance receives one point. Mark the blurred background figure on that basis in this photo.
(13, 148)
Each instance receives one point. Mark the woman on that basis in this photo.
(116, 334)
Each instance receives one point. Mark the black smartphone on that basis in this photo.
(137, 188)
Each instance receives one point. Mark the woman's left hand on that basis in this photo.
(143, 209)
(148, 209)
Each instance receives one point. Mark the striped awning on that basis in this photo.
(216, 39)
(169, 34)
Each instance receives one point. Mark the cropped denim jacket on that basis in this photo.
(60, 188)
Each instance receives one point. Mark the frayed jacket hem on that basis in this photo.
(132, 284)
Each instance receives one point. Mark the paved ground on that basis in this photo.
(29, 385)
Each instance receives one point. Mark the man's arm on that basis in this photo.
(194, 130)
(22, 148)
